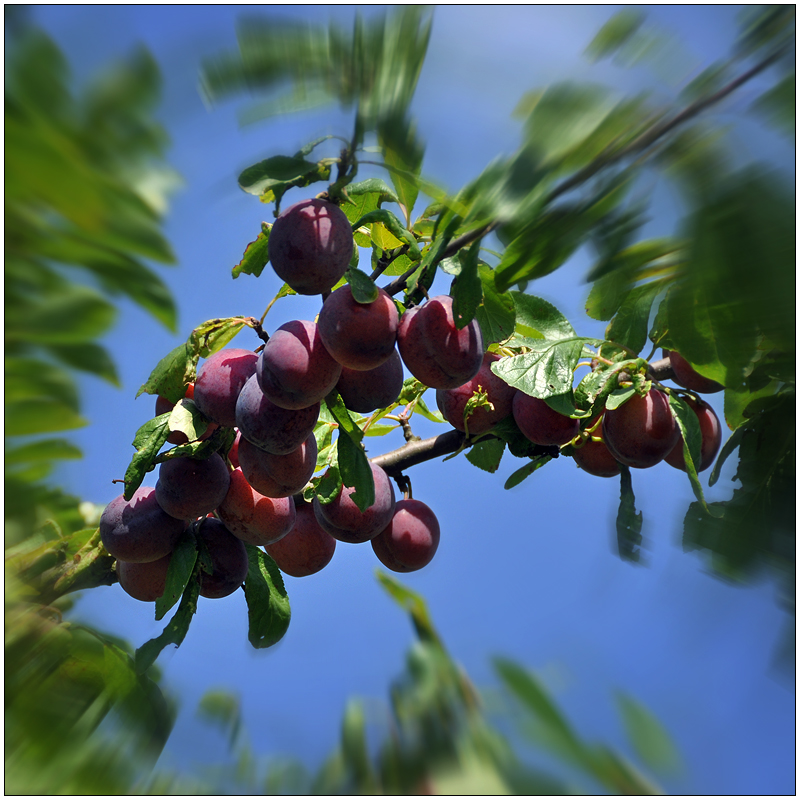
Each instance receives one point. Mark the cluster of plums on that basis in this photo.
(273, 399)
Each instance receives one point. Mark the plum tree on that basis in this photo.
(144, 581)
(268, 426)
(295, 370)
(711, 437)
(642, 431)
(342, 518)
(541, 424)
(278, 475)
(219, 382)
(310, 246)
(307, 548)
(499, 394)
(228, 559)
(360, 336)
(433, 348)
(252, 517)
(409, 542)
(187, 487)
(363, 391)
(688, 377)
(139, 530)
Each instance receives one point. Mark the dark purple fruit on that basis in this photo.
(187, 488)
(540, 424)
(219, 382)
(228, 559)
(410, 540)
(363, 391)
(145, 582)
(306, 549)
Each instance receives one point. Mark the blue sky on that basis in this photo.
(530, 573)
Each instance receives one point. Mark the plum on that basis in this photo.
(270, 427)
(452, 402)
(594, 457)
(219, 382)
(306, 549)
(139, 530)
(363, 391)
(310, 246)
(688, 377)
(359, 336)
(410, 540)
(294, 369)
(228, 559)
(145, 582)
(253, 518)
(434, 350)
(278, 475)
(541, 424)
(711, 437)
(187, 488)
(343, 520)
(233, 453)
(642, 431)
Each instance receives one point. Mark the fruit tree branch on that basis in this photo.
(417, 451)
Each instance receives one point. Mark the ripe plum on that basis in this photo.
(310, 246)
(688, 377)
(434, 350)
(219, 382)
(410, 540)
(187, 488)
(278, 475)
(228, 559)
(139, 530)
(294, 369)
(541, 424)
(306, 549)
(363, 391)
(145, 582)
(594, 457)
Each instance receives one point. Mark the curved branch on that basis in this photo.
(417, 451)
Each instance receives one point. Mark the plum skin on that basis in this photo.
(642, 431)
(228, 558)
(306, 549)
(187, 488)
(278, 475)
(252, 517)
(363, 391)
(219, 382)
(272, 428)
(711, 432)
(144, 581)
(310, 246)
(541, 424)
(434, 350)
(452, 402)
(343, 520)
(139, 530)
(295, 370)
(409, 542)
(359, 336)
(688, 377)
(594, 457)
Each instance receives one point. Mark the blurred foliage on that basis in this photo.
(85, 190)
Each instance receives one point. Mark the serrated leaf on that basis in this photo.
(149, 439)
(362, 286)
(487, 454)
(355, 471)
(213, 335)
(179, 572)
(186, 418)
(399, 234)
(268, 610)
(541, 316)
(255, 258)
(171, 375)
(524, 472)
(176, 629)
(629, 523)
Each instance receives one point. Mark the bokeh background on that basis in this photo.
(529, 573)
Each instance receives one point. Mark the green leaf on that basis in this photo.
(279, 172)
(414, 604)
(355, 471)
(362, 286)
(354, 748)
(402, 154)
(496, 314)
(647, 735)
(369, 191)
(213, 335)
(778, 105)
(467, 290)
(619, 396)
(41, 450)
(339, 412)
(255, 258)
(615, 33)
(734, 440)
(523, 472)
(325, 487)
(187, 419)
(149, 439)
(40, 415)
(87, 357)
(176, 629)
(268, 610)
(629, 523)
(630, 324)
(395, 227)
(172, 374)
(486, 455)
(179, 572)
(540, 316)
(689, 426)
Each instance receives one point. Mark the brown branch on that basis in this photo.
(418, 451)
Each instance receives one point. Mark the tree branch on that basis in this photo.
(415, 452)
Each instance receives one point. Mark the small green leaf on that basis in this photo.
(213, 335)
(629, 523)
(176, 629)
(255, 258)
(523, 472)
(338, 411)
(355, 471)
(179, 572)
(734, 440)
(647, 735)
(414, 604)
(629, 326)
(496, 314)
(326, 487)
(148, 441)
(268, 610)
(619, 396)
(467, 288)
(486, 455)
(362, 286)
(395, 227)
(689, 426)
(187, 419)
(278, 171)
(171, 375)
